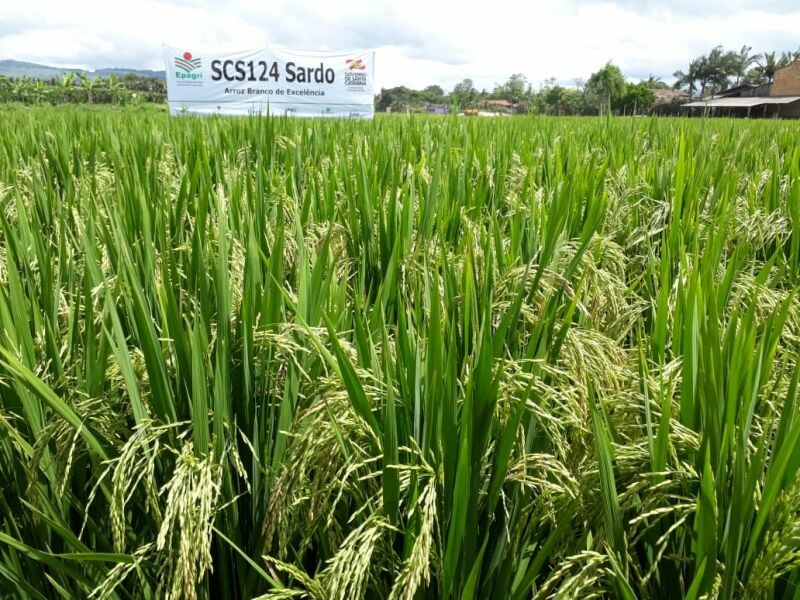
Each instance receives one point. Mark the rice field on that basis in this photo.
(413, 358)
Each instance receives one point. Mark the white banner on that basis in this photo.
(269, 81)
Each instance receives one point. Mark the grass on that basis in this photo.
(407, 358)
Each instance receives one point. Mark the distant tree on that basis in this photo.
(717, 70)
(40, 91)
(78, 87)
(514, 90)
(65, 84)
(714, 70)
(89, 85)
(464, 94)
(136, 83)
(786, 59)
(606, 86)
(573, 101)
(21, 89)
(5, 88)
(636, 98)
(767, 66)
(558, 100)
(655, 83)
(434, 93)
(742, 61)
(688, 80)
(113, 87)
(396, 99)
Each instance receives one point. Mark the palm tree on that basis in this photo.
(65, 84)
(114, 86)
(742, 61)
(688, 80)
(88, 84)
(40, 91)
(714, 70)
(788, 58)
(21, 90)
(767, 66)
(5, 88)
(655, 83)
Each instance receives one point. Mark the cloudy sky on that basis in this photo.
(418, 42)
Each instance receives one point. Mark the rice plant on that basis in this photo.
(408, 358)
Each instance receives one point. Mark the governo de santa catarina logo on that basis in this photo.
(356, 64)
(355, 77)
(188, 69)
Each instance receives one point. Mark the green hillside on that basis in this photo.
(17, 68)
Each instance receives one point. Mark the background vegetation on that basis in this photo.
(404, 358)
(605, 89)
(79, 88)
(716, 71)
(720, 69)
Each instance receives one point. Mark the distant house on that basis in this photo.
(661, 97)
(781, 98)
(738, 90)
(499, 105)
(668, 102)
(437, 109)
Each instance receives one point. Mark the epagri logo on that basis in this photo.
(188, 69)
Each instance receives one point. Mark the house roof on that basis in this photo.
(742, 101)
(669, 96)
(791, 64)
(736, 90)
(505, 103)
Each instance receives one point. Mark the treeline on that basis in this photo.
(79, 88)
(721, 69)
(605, 89)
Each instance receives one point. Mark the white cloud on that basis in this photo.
(419, 42)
